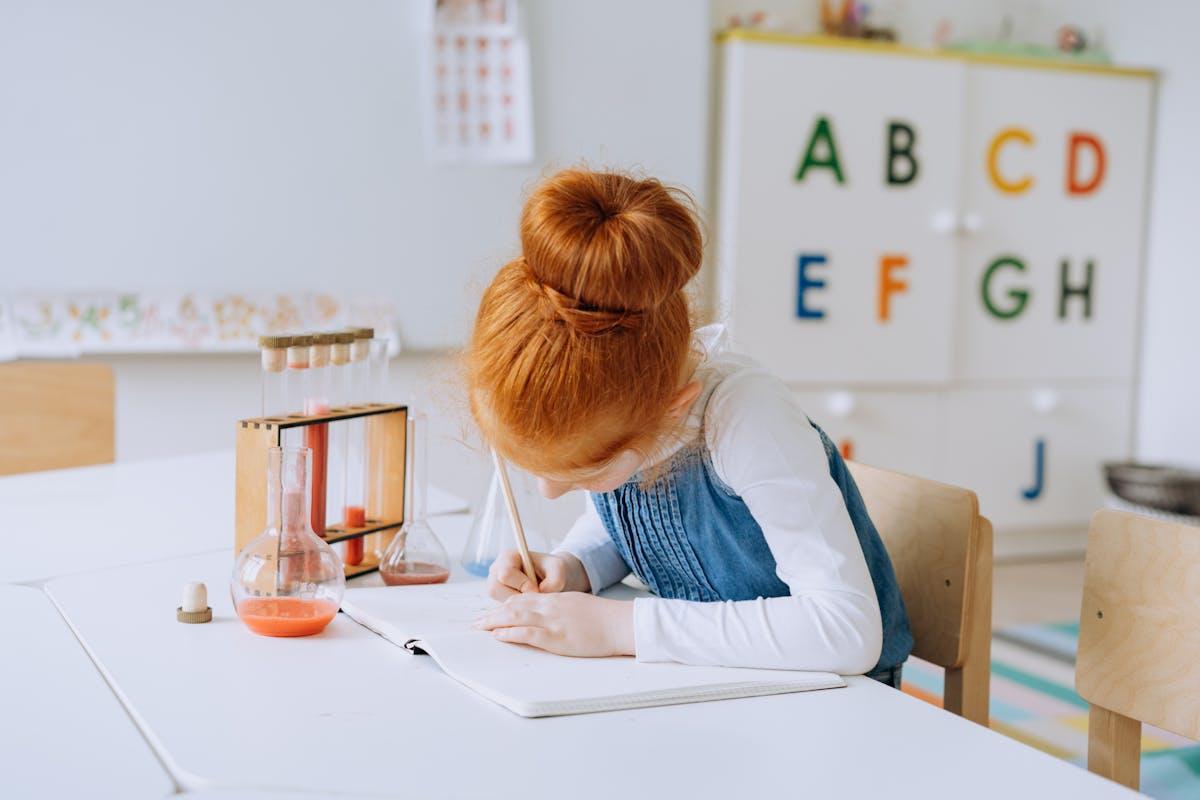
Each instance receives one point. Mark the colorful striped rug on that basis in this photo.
(1034, 701)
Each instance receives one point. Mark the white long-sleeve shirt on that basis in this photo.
(763, 448)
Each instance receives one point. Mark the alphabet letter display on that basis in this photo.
(944, 233)
(826, 241)
(1052, 276)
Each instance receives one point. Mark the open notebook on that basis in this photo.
(437, 620)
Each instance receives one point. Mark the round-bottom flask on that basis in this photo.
(287, 581)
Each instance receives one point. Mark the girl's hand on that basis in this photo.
(571, 624)
(556, 573)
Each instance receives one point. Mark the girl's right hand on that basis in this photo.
(556, 573)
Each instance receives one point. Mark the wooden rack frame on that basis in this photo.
(386, 445)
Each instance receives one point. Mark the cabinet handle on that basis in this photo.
(971, 222)
(1044, 401)
(943, 222)
(840, 404)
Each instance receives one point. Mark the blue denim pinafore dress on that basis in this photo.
(688, 536)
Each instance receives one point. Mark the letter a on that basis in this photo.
(822, 135)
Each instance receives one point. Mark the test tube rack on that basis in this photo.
(386, 441)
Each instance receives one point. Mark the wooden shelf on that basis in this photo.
(335, 534)
(359, 569)
(334, 415)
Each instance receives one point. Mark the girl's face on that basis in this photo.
(620, 468)
(603, 479)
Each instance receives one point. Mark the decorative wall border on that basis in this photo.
(67, 324)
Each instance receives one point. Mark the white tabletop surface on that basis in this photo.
(62, 731)
(71, 520)
(348, 712)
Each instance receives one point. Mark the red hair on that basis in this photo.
(581, 343)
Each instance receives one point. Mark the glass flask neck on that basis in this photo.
(288, 496)
(418, 428)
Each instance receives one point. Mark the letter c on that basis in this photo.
(1019, 185)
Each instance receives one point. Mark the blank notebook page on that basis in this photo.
(534, 683)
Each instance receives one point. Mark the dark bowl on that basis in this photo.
(1165, 488)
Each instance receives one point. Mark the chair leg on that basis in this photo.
(968, 687)
(1114, 746)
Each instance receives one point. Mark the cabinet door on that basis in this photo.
(1056, 187)
(839, 173)
(900, 431)
(1034, 455)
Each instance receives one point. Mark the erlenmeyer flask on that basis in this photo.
(491, 530)
(415, 554)
(287, 581)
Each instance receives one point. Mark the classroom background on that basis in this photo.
(962, 232)
(276, 148)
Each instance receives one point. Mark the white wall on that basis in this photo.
(218, 389)
(232, 144)
(1161, 33)
(254, 144)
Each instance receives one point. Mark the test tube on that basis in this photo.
(377, 360)
(376, 392)
(339, 364)
(354, 514)
(316, 437)
(295, 386)
(274, 365)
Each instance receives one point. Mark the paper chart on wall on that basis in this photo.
(479, 106)
(66, 324)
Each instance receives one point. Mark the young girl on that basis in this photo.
(706, 479)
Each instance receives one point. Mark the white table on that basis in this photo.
(65, 521)
(347, 711)
(62, 731)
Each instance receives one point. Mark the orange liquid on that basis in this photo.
(286, 616)
(354, 517)
(412, 573)
(316, 438)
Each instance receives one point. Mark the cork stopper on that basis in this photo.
(339, 354)
(318, 352)
(274, 352)
(361, 345)
(194, 608)
(297, 352)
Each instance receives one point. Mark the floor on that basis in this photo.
(1037, 591)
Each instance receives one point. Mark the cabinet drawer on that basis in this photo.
(894, 430)
(1034, 455)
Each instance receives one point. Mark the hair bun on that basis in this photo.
(609, 243)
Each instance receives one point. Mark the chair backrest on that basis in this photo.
(941, 549)
(1139, 636)
(54, 415)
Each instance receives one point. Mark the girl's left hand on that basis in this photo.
(569, 624)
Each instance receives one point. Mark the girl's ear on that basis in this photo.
(683, 401)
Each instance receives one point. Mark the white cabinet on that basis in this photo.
(946, 240)
(1057, 166)
(834, 228)
(898, 430)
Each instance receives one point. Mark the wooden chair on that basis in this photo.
(1139, 637)
(941, 549)
(54, 415)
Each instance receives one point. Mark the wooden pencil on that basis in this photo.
(515, 517)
